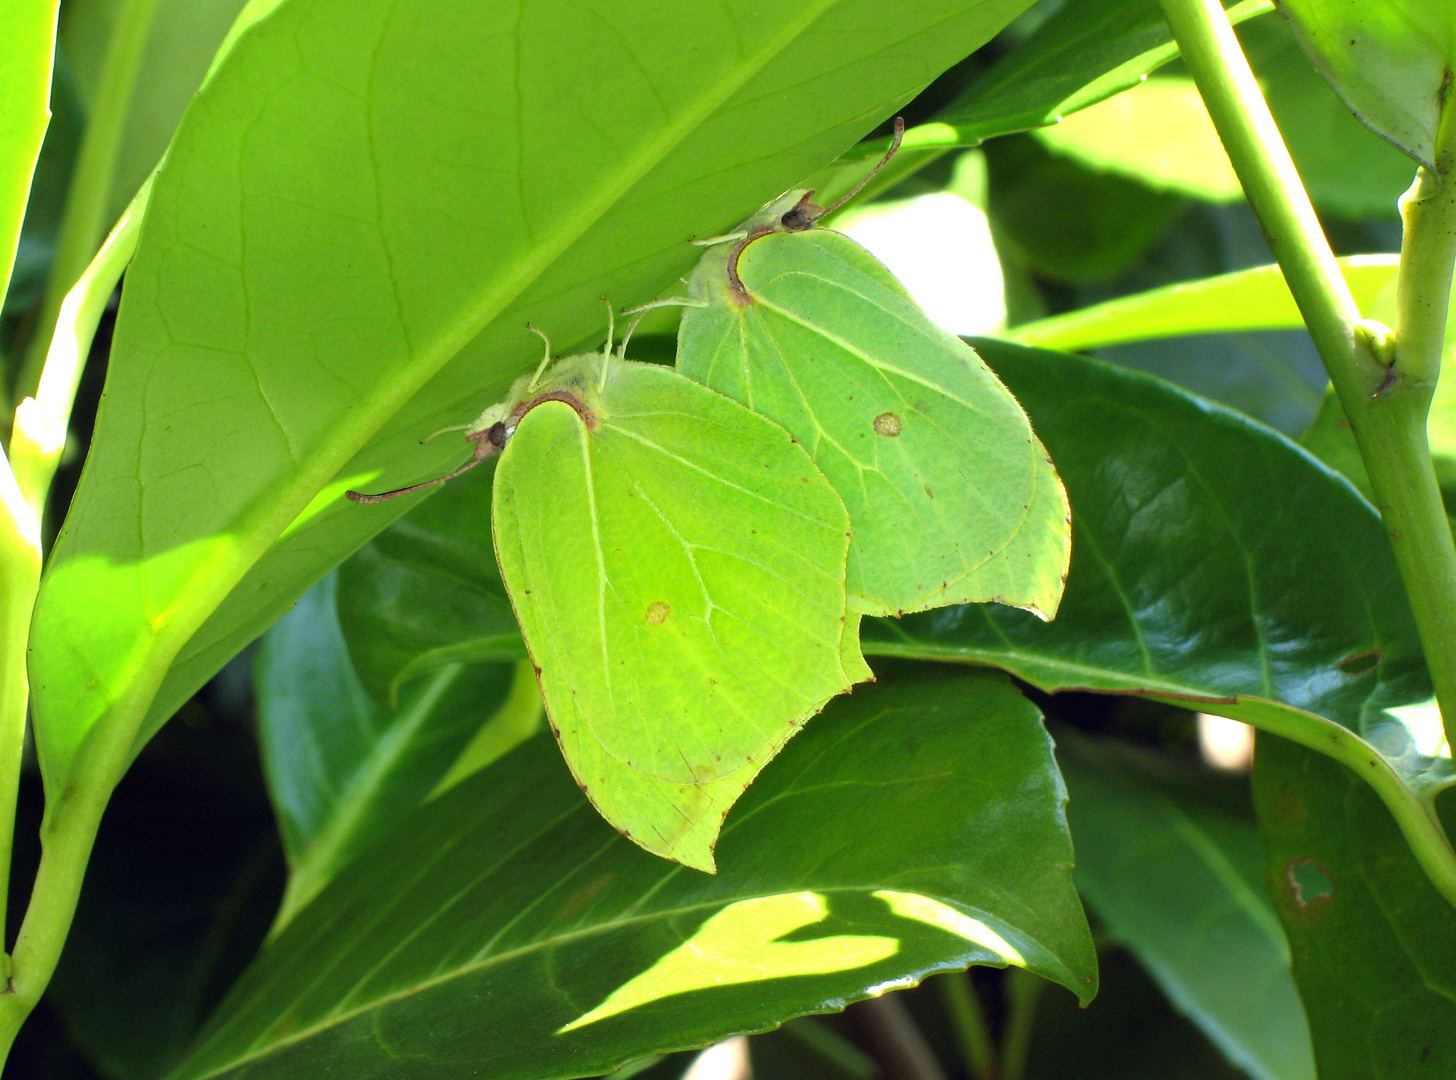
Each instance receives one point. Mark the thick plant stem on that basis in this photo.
(70, 825)
(84, 220)
(1385, 401)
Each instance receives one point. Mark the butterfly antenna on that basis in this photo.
(452, 427)
(666, 301)
(713, 241)
(484, 449)
(607, 348)
(627, 334)
(894, 146)
(541, 367)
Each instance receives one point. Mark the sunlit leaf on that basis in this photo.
(360, 210)
(1389, 59)
(29, 29)
(506, 931)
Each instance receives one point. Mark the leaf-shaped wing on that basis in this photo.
(951, 496)
(677, 565)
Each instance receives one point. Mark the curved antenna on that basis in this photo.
(452, 427)
(631, 326)
(541, 367)
(894, 147)
(607, 348)
(666, 301)
(485, 448)
(713, 241)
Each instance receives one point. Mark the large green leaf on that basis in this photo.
(1180, 882)
(361, 209)
(29, 29)
(1390, 60)
(342, 768)
(1374, 945)
(506, 931)
(1213, 561)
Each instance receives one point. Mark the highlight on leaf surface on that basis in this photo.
(951, 496)
(677, 564)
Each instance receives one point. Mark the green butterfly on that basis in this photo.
(677, 565)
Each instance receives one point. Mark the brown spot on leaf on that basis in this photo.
(657, 613)
(887, 424)
(1361, 662)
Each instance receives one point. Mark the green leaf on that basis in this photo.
(1253, 299)
(1157, 133)
(1214, 562)
(950, 496)
(1347, 169)
(1067, 222)
(677, 565)
(359, 212)
(184, 37)
(427, 592)
(29, 29)
(1374, 945)
(1085, 53)
(342, 769)
(1180, 882)
(506, 931)
(1390, 60)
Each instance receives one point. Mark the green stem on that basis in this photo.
(1385, 402)
(19, 580)
(69, 828)
(83, 222)
(1023, 991)
(968, 1020)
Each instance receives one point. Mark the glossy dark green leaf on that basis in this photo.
(1212, 560)
(427, 591)
(342, 767)
(1180, 882)
(359, 212)
(507, 931)
(1374, 945)
(1086, 52)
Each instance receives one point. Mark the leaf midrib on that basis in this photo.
(609, 926)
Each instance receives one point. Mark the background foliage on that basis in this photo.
(354, 848)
